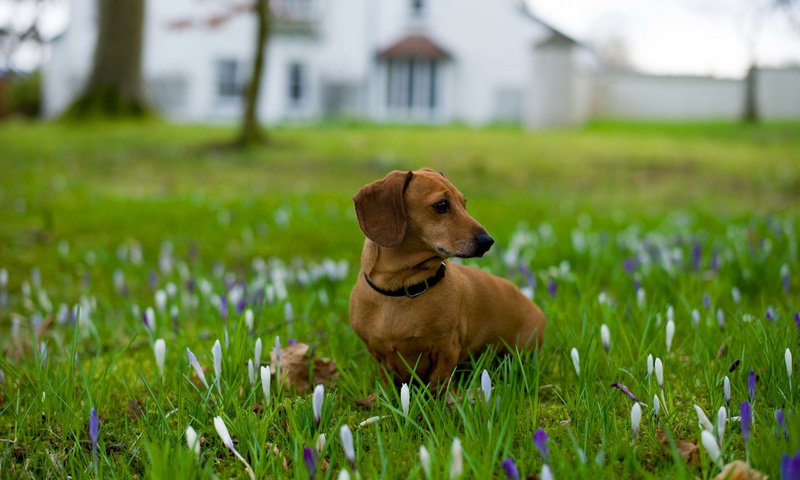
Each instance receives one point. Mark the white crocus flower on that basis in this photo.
(670, 332)
(787, 357)
(486, 386)
(703, 420)
(659, 368)
(320, 442)
(160, 352)
(222, 431)
(636, 418)
(343, 475)
(405, 398)
(649, 365)
(576, 361)
(656, 405)
(546, 473)
(710, 444)
(316, 402)
(257, 353)
(266, 377)
(248, 319)
(605, 337)
(161, 300)
(456, 459)
(251, 372)
(726, 390)
(217, 351)
(198, 370)
(346, 437)
(425, 461)
(192, 441)
(722, 419)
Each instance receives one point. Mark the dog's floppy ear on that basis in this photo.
(381, 210)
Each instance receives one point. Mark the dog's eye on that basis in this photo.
(442, 206)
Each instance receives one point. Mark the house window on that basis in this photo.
(411, 85)
(228, 79)
(297, 84)
(417, 8)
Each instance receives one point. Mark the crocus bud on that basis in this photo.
(605, 337)
(659, 373)
(192, 441)
(670, 333)
(703, 420)
(656, 405)
(160, 352)
(217, 351)
(695, 317)
(320, 442)
(510, 469)
(456, 459)
(722, 419)
(248, 319)
(316, 402)
(726, 389)
(251, 372)
(161, 300)
(576, 361)
(710, 444)
(425, 461)
(787, 356)
(636, 418)
(486, 385)
(405, 398)
(198, 370)
(649, 365)
(751, 385)
(546, 473)
(257, 353)
(540, 439)
(266, 377)
(745, 417)
(347, 444)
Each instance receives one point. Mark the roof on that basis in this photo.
(414, 46)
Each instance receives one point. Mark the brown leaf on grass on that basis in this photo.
(135, 409)
(722, 349)
(277, 452)
(565, 422)
(738, 470)
(689, 451)
(367, 401)
(302, 369)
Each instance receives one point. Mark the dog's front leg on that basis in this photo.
(445, 362)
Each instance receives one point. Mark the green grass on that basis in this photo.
(573, 206)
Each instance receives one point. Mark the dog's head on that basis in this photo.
(420, 210)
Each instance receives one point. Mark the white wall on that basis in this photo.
(638, 96)
(779, 93)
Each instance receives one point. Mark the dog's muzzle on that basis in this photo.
(483, 242)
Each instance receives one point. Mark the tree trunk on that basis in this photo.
(251, 132)
(114, 88)
(750, 113)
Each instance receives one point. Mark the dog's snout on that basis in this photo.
(484, 242)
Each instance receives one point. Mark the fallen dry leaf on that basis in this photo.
(368, 401)
(301, 369)
(689, 451)
(738, 470)
(722, 349)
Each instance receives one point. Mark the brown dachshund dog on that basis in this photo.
(412, 307)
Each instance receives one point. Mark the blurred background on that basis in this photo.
(535, 63)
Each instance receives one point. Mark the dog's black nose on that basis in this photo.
(484, 241)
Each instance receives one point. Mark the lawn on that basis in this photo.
(113, 236)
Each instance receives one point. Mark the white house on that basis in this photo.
(430, 61)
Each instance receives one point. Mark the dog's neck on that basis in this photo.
(394, 268)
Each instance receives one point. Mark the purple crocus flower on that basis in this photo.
(706, 301)
(528, 274)
(697, 254)
(714, 264)
(223, 306)
(746, 417)
(790, 466)
(781, 421)
(510, 468)
(625, 390)
(152, 279)
(770, 315)
(630, 265)
(797, 319)
(552, 288)
(751, 385)
(310, 461)
(734, 365)
(94, 433)
(540, 439)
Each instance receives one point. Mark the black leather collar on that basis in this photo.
(410, 291)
